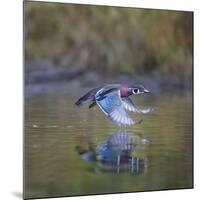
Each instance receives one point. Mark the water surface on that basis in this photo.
(54, 127)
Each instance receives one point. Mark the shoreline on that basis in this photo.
(44, 76)
(155, 84)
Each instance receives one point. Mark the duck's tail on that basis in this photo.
(79, 103)
(87, 98)
(83, 101)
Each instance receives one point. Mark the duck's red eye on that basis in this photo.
(135, 91)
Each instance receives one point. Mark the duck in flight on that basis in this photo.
(114, 100)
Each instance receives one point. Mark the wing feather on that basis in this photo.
(130, 106)
(113, 107)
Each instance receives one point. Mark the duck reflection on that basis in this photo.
(116, 153)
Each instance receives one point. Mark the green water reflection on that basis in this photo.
(54, 127)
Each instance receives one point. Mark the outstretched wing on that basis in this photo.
(130, 106)
(111, 104)
(103, 92)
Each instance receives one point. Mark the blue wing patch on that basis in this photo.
(107, 104)
(111, 104)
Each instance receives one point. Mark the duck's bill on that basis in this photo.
(146, 91)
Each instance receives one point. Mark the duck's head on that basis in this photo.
(138, 89)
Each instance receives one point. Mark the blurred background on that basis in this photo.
(80, 45)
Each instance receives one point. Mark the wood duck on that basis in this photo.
(114, 101)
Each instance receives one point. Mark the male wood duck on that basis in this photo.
(114, 101)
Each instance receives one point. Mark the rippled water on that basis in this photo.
(54, 127)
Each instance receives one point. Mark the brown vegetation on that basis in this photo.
(110, 39)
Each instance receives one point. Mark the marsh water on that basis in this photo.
(54, 127)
